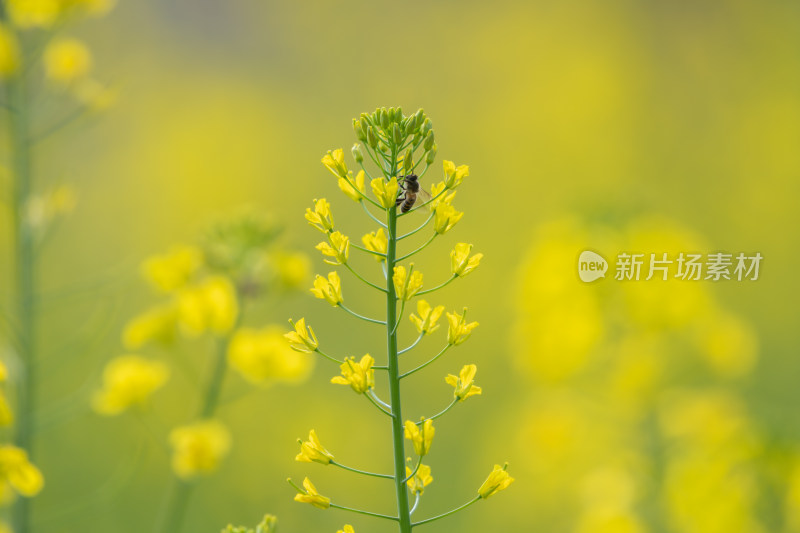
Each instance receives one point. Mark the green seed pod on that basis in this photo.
(430, 157)
(357, 155)
(428, 144)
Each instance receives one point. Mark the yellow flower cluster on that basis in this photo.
(197, 449)
(268, 525)
(17, 474)
(262, 356)
(128, 380)
(360, 376)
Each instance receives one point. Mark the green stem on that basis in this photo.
(445, 284)
(363, 472)
(419, 249)
(440, 413)
(448, 513)
(368, 513)
(423, 365)
(373, 217)
(367, 319)
(412, 345)
(410, 233)
(356, 274)
(398, 433)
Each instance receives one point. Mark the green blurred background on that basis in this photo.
(601, 118)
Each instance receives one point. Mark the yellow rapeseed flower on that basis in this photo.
(334, 161)
(420, 480)
(337, 247)
(302, 339)
(360, 376)
(198, 448)
(428, 317)
(498, 480)
(385, 192)
(454, 175)
(459, 330)
(357, 193)
(347, 529)
(464, 383)
(312, 496)
(439, 197)
(406, 286)
(445, 217)
(211, 305)
(66, 61)
(18, 472)
(6, 414)
(461, 263)
(263, 355)
(173, 270)
(312, 450)
(156, 324)
(33, 13)
(128, 380)
(292, 269)
(9, 52)
(376, 242)
(329, 289)
(321, 217)
(420, 435)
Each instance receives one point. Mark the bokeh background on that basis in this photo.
(657, 126)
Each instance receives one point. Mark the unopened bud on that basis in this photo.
(398, 114)
(357, 155)
(427, 126)
(428, 144)
(372, 139)
(397, 135)
(384, 118)
(431, 155)
(358, 128)
(408, 162)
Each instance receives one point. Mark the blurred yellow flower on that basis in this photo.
(67, 60)
(426, 321)
(18, 472)
(6, 414)
(337, 247)
(360, 376)
(173, 270)
(321, 217)
(292, 268)
(302, 339)
(312, 450)
(420, 435)
(9, 52)
(334, 161)
(464, 383)
(128, 380)
(269, 524)
(359, 192)
(33, 13)
(406, 286)
(458, 330)
(376, 242)
(156, 324)
(329, 289)
(445, 217)
(347, 529)
(312, 496)
(3, 371)
(210, 305)
(420, 480)
(263, 355)
(198, 448)
(498, 480)
(461, 263)
(454, 175)
(95, 8)
(438, 196)
(728, 344)
(385, 192)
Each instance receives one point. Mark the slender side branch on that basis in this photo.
(448, 513)
(373, 217)
(440, 413)
(412, 345)
(373, 252)
(367, 319)
(414, 473)
(423, 365)
(414, 507)
(376, 404)
(446, 283)
(328, 357)
(356, 274)
(419, 249)
(410, 233)
(368, 513)
(363, 472)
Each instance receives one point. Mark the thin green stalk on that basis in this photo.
(445, 284)
(448, 513)
(423, 365)
(368, 513)
(363, 472)
(356, 274)
(440, 413)
(410, 233)
(419, 249)
(412, 345)
(366, 319)
(373, 217)
(376, 404)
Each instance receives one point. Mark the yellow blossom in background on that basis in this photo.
(293, 269)
(269, 524)
(5, 528)
(128, 380)
(498, 480)
(420, 435)
(156, 324)
(95, 8)
(33, 13)
(359, 192)
(337, 247)
(728, 344)
(3, 372)
(377, 242)
(18, 472)
(445, 217)
(302, 339)
(427, 317)
(347, 529)
(334, 161)
(360, 376)
(454, 175)
(329, 289)
(464, 383)
(197, 449)
(42, 210)
(438, 196)
(6, 414)
(385, 192)
(406, 286)
(461, 263)
(263, 355)
(66, 61)
(320, 217)
(312, 496)
(459, 330)
(312, 450)
(173, 270)
(210, 305)
(420, 480)
(9, 52)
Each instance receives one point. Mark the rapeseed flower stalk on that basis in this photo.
(204, 291)
(401, 149)
(39, 65)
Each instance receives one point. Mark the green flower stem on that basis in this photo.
(412, 345)
(367, 198)
(423, 365)
(373, 217)
(328, 357)
(440, 413)
(367, 319)
(445, 284)
(376, 404)
(416, 503)
(373, 252)
(368, 513)
(410, 233)
(356, 274)
(398, 432)
(400, 316)
(419, 249)
(414, 472)
(366, 171)
(374, 396)
(457, 509)
(363, 472)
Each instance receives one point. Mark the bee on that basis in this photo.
(410, 191)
